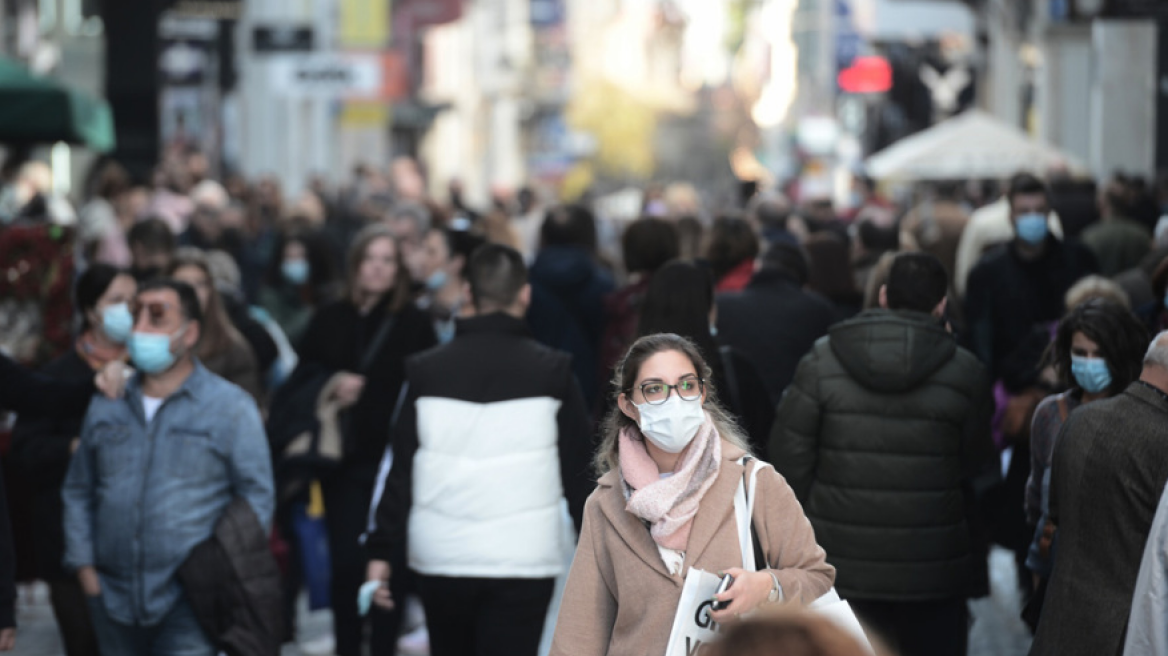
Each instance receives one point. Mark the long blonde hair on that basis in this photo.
(608, 456)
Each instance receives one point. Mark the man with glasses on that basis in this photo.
(883, 434)
(493, 433)
(153, 474)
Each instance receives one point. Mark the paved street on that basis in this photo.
(996, 631)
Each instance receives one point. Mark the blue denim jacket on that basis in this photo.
(139, 497)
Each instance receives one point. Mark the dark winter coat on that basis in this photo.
(234, 586)
(882, 435)
(774, 322)
(1108, 472)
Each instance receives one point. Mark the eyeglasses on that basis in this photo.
(656, 392)
(155, 310)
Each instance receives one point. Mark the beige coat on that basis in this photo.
(620, 598)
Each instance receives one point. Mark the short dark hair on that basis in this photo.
(90, 287)
(1026, 183)
(732, 242)
(188, 300)
(496, 274)
(789, 259)
(916, 281)
(154, 235)
(569, 225)
(648, 244)
(461, 242)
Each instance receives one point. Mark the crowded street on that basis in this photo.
(584, 328)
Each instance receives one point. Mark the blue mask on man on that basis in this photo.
(150, 352)
(117, 322)
(1031, 228)
(295, 271)
(1092, 374)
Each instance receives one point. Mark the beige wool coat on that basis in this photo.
(620, 598)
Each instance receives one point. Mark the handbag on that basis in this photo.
(692, 624)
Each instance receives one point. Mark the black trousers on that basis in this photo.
(485, 617)
(919, 628)
(347, 494)
(71, 609)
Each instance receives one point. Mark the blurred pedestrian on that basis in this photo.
(774, 321)
(647, 244)
(135, 506)
(1118, 242)
(830, 273)
(300, 279)
(152, 245)
(936, 224)
(990, 226)
(1093, 287)
(409, 223)
(731, 252)
(501, 418)
(1147, 626)
(1021, 284)
(1097, 353)
(99, 226)
(43, 445)
(352, 359)
(446, 254)
(893, 503)
(568, 286)
(1106, 478)
(222, 349)
(671, 461)
(680, 300)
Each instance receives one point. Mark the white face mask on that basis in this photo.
(672, 425)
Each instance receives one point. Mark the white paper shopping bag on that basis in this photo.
(840, 613)
(693, 626)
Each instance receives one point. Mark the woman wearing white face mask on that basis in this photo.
(671, 462)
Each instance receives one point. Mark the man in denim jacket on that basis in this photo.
(152, 475)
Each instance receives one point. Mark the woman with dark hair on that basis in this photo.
(831, 274)
(300, 278)
(43, 446)
(680, 300)
(359, 345)
(647, 245)
(731, 252)
(221, 349)
(1097, 352)
(442, 263)
(671, 462)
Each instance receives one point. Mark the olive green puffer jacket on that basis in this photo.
(880, 435)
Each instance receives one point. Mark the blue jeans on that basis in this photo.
(178, 634)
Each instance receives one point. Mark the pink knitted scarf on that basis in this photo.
(669, 504)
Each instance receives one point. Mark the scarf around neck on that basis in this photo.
(669, 504)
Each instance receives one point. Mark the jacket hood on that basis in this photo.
(891, 351)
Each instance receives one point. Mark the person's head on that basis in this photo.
(830, 267)
(497, 278)
(1156, 361)
(788, 259)
(526, 199)
(302, 260)
(916, 282)
(1029, 202)
(192, 267)
(680, 300)
(690, 235)
(1092, 287)
(409, 223)
(639, 382)
(152, 246)
(103, 294)
(109, 180)
(1098, 347)
(445, 254)
(797, 633)
(648, 244)
(1114, 200)
(1160, 281)
(569, 225)
(732, 242)
(167, 325)
(374, 269)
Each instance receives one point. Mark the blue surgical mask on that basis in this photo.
(295, 271)
(117, 322)
(150, 352)
(1092, 374)
(1031, 228)
(437, 280)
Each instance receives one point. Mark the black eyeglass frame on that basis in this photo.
(669, 389)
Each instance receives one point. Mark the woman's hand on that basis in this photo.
(379, 570)
(746, 593)
(348, 389)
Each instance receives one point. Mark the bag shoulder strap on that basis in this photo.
(749, 484)
(376, 343)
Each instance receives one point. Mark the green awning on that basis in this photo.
(36, 110)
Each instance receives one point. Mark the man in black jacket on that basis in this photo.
(884, 436)
(493, 433)
(773, 320)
